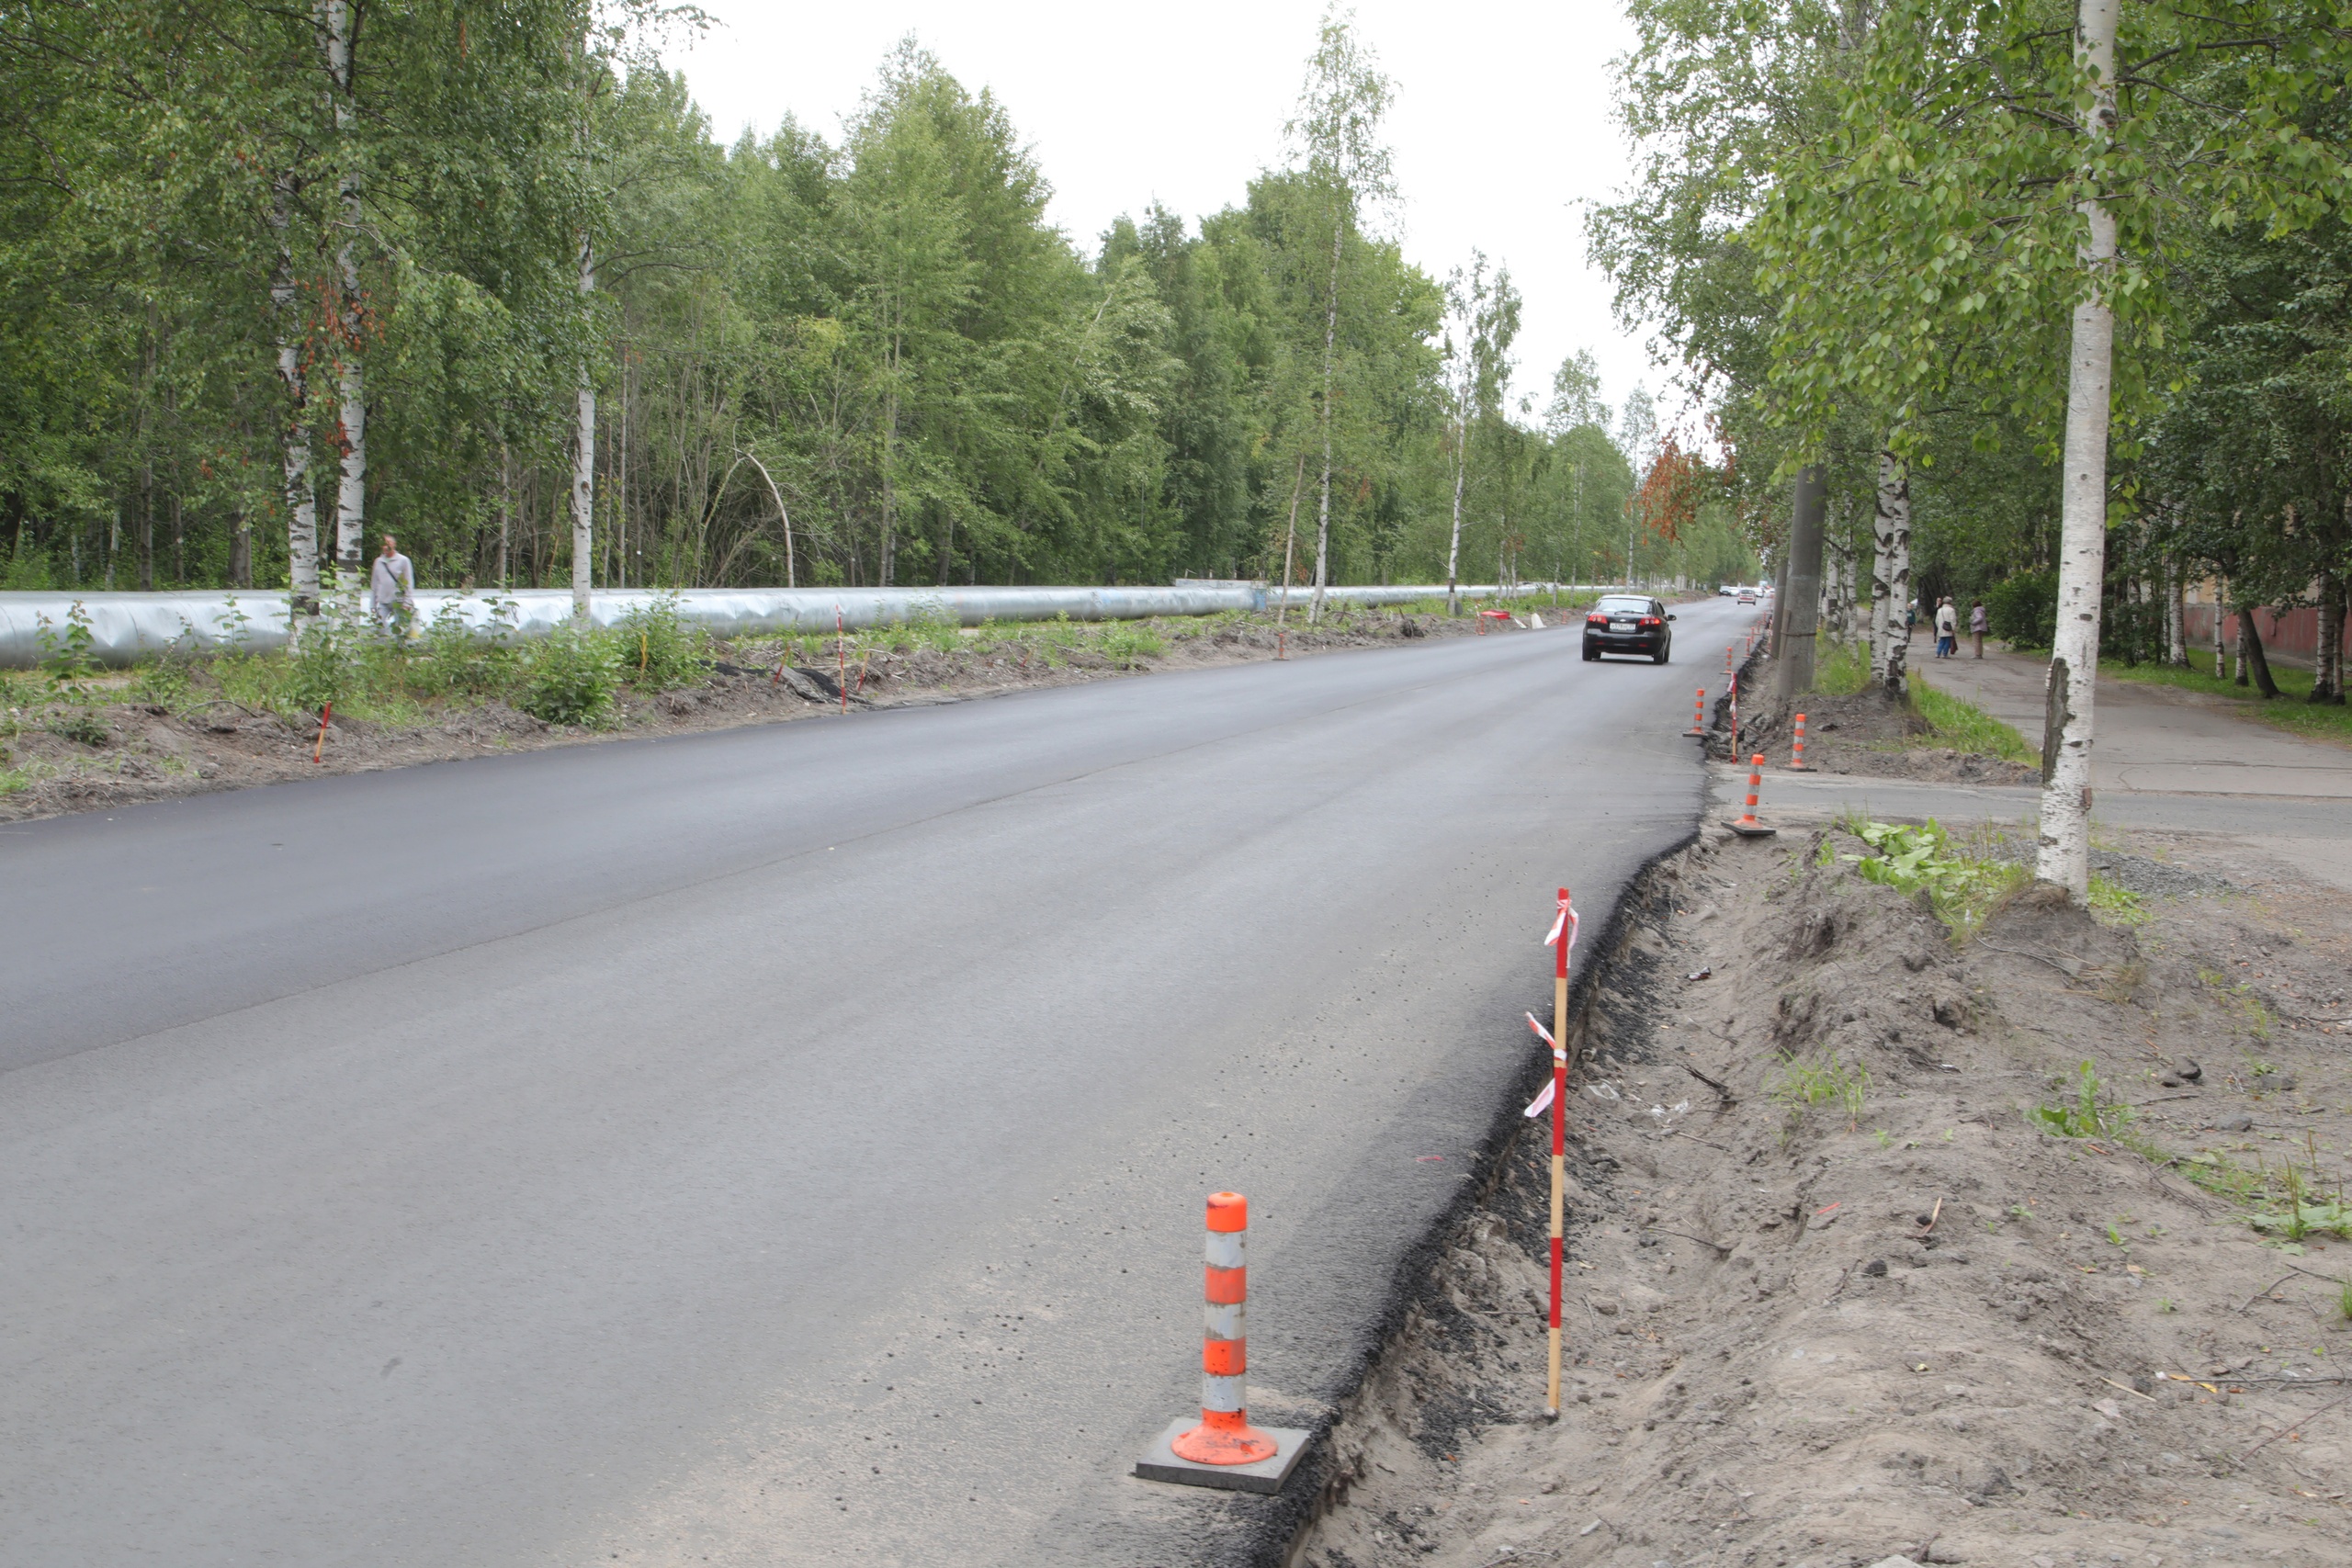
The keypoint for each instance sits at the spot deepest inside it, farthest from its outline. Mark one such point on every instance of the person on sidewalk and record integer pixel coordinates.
(1947, 629)
(1976, 625)
(392, 586)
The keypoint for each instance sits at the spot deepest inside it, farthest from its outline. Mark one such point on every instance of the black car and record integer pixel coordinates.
(1628, 622)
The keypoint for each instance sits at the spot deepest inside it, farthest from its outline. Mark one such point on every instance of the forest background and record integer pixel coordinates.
(275, 279)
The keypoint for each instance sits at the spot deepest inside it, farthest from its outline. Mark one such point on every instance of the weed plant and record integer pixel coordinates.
(570, 679)
(2090, 1114)
(1844, 670)
(1801, 1083)
(659, 650)
(1961, 889)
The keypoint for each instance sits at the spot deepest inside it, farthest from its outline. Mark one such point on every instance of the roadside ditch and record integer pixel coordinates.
(2021, 1246)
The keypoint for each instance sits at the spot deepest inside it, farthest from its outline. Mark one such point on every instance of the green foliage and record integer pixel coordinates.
(2116, 904)
(450, 660)
(82, 726)
(1956, 722)
(2090, 1114)
(1128, 643)
(2023, 609)
(65, 657)
(1960, 888)
(1845, 670)
(1801, 1083)
(321, 669)
(569, 678)
(658, 651)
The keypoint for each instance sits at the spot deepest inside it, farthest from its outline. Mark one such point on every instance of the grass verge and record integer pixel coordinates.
(2293, 710)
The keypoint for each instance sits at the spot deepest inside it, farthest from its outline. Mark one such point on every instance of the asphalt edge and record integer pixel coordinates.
(1280, 1530)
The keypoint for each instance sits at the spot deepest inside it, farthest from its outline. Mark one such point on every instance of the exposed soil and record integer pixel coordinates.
(1865, 733)
(98, 756)
(1931, 1330)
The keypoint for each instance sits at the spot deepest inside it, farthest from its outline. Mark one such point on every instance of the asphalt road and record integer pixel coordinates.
(780, 1146)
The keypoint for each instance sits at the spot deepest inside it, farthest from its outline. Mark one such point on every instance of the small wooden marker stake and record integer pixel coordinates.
(1563, 938)
(326, 716)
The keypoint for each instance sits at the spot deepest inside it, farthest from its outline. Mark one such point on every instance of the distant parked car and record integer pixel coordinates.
(1729, 590)
(1627, 623)
(1747, 596)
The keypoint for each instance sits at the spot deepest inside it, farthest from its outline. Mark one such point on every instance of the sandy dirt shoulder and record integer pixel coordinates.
(1923, 1327)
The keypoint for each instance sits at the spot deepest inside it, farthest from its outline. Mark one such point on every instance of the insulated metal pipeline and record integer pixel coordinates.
(125, 628)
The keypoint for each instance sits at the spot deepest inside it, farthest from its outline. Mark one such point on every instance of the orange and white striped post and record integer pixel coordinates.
(1225, 1435)
(1796, 762)
(1747, 826)
(1699, 715)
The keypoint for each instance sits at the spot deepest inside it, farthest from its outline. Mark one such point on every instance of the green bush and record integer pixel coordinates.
(320, 670)
(2023, 610)
(571, 678)
(658, 651)
(454, 661)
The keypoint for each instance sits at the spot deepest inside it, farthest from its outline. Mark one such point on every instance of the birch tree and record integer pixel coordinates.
(1338, 131)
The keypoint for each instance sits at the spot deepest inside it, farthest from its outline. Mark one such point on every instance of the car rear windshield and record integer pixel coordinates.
(1624, 606)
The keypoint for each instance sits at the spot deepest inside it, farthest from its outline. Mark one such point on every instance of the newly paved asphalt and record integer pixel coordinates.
(775, 1146)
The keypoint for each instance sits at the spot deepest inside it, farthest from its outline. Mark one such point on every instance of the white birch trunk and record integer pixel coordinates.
(2220, 597)
(584, 459)
(351, 490)
(2065, 841)
(1323, 505)
(2176, 616)
(1891, 576)
(294, 449)
(1453, 544)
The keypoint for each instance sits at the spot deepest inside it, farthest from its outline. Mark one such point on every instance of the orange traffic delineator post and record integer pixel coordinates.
(1748, 827)
(1224, 1450)
(1699, 715)
(1796, 762)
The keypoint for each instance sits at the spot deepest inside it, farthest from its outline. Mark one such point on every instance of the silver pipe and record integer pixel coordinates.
(125, 628)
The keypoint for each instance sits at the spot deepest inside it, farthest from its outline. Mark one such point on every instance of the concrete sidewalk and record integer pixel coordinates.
(2150, 739)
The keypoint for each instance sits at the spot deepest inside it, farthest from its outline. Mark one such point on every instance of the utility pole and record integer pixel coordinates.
(1796, 620)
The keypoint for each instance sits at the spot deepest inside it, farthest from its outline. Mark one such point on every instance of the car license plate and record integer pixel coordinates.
(1621, 625)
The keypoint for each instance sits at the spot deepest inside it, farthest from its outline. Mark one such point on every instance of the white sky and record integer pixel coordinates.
(1501, 125)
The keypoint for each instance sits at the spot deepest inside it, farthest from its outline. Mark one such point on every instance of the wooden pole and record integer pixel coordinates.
(1564, 940)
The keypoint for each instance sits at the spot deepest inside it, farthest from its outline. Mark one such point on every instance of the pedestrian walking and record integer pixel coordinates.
(392, 588)
(1947, 629)
(1976, 625)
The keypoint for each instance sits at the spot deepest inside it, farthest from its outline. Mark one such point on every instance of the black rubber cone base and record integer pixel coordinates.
(1160, 1462)
(1751, 830)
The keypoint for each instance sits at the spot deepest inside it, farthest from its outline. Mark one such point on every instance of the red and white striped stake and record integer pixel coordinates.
(1225, 1435)
(1734, 716)
(1562, 940)
(1796, 763)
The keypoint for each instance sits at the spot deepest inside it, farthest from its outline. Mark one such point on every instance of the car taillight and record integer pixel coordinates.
(1596, 619)
(1652, 621)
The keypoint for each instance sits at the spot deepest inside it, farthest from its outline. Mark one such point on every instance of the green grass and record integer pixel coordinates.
(1964, 727)
(1824, 1080)
(1845, 670)
(2293, 711)
(2090, 1113)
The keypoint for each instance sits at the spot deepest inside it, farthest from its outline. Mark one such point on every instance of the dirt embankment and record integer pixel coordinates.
(1906, 1319)
(1863, 732)
(97, 755)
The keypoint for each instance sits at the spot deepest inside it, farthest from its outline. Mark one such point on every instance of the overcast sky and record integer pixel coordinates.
(1501, 125)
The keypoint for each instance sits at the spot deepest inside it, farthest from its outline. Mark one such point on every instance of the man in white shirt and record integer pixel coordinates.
(391, 585)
